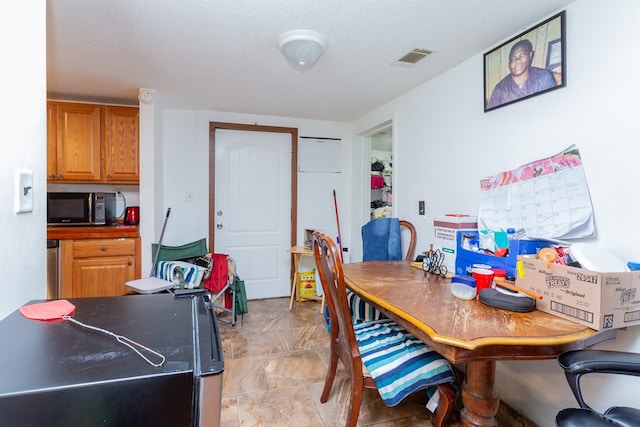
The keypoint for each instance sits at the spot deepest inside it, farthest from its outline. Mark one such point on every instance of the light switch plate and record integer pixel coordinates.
(23, 191)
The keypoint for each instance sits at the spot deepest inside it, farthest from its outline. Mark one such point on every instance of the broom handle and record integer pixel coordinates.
(335, 204)
(155, 257)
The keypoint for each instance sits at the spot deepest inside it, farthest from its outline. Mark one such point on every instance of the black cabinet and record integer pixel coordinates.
(57, 373)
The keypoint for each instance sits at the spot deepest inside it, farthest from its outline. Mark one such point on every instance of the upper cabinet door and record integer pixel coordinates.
(77, 142)
(121, 144)
(52, 156)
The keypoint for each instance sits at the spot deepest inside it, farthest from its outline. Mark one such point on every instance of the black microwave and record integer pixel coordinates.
(81, 208)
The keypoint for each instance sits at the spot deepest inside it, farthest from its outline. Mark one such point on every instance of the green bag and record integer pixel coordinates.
(237, 286)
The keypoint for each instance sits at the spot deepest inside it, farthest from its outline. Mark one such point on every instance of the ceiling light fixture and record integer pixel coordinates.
(302, 47)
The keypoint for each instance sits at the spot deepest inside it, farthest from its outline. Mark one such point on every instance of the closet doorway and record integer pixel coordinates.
(381, 200)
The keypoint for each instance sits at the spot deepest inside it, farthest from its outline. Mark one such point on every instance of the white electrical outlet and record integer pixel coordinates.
(23, 191)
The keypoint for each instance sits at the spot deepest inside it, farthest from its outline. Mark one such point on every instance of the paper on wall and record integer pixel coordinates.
(548, 198)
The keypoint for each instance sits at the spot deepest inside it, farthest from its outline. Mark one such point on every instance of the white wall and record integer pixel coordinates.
(22, 120)
(446, 143)
(152, 211)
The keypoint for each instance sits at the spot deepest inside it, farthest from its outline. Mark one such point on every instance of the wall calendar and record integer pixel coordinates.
(547, 198)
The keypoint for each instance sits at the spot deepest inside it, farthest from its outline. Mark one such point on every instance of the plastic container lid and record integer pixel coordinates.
(463, 287)
(498, 272)
(466, 280)
(485, 266)
(594, 258)
(633, 265)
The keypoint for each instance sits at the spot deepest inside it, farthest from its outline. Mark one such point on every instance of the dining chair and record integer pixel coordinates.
(577, 363)
(413, 235)
(382, 240)
(380, 354)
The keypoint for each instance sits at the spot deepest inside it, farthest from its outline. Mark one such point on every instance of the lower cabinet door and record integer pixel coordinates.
(102, 276)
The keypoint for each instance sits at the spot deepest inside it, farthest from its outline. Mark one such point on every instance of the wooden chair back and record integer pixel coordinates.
(343, 344)
(341, 323)
(413, 235)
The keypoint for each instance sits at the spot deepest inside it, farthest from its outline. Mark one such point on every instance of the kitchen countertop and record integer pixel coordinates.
(92, 232)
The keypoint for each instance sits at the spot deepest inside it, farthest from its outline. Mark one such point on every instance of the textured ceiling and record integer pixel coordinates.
(223, 55)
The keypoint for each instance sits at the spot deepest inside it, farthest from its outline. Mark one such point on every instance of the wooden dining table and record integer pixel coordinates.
(466, 331)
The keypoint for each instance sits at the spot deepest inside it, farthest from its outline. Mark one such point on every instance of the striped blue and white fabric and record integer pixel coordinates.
(361, 310)
(173, 271)
(399, 363)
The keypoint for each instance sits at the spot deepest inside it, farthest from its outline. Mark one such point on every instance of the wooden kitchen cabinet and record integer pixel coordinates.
(52, 155)
(74, 139)
(98, 267)
(120, 144)
(92, 143)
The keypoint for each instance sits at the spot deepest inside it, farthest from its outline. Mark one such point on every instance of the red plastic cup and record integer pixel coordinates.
(483, 277)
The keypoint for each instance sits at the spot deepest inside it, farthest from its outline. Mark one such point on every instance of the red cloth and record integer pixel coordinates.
(219, 273)
(377, 182)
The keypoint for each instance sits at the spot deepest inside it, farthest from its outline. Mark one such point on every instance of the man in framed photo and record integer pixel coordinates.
(523, 79)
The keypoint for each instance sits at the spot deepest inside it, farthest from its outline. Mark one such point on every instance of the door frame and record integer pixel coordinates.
(293, 132)
(366, 163)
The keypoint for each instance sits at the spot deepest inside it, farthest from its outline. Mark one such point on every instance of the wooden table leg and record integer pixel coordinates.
(478, 395)
(294, 280)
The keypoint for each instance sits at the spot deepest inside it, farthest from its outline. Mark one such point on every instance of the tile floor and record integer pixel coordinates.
(275, 361)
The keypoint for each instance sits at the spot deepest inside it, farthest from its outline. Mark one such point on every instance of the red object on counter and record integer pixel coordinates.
(483, 277)
(132, 215)
(501, 252)
(499, 273)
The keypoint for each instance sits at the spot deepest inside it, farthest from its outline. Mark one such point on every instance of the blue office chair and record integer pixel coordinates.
(577, 363)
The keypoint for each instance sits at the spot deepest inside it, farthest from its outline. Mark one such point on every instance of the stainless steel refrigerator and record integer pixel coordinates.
(58, 373)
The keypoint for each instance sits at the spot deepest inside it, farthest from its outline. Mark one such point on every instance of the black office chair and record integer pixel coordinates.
(579, 362)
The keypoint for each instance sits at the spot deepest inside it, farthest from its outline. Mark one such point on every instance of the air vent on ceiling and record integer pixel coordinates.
(414, 56)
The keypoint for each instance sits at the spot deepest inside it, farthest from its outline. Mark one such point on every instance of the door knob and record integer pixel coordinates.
(219, 226)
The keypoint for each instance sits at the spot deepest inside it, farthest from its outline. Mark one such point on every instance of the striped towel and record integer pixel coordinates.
(173, 271)
(399, 363)
(361, 310)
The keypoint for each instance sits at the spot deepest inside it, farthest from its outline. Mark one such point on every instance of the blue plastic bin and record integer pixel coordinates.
(466, 258)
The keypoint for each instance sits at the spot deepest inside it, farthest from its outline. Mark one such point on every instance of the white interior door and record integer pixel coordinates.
(253, 208)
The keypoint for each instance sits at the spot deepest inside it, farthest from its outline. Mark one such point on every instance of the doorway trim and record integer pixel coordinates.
(361, 196)
(293, 132)
(366, 159)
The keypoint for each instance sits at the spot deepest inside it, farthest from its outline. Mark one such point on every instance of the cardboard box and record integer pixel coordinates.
(308, 237)
(597, 300)
(446, 229)
(466, 258)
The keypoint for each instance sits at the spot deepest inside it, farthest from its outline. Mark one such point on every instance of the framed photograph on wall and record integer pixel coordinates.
(531, 63)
